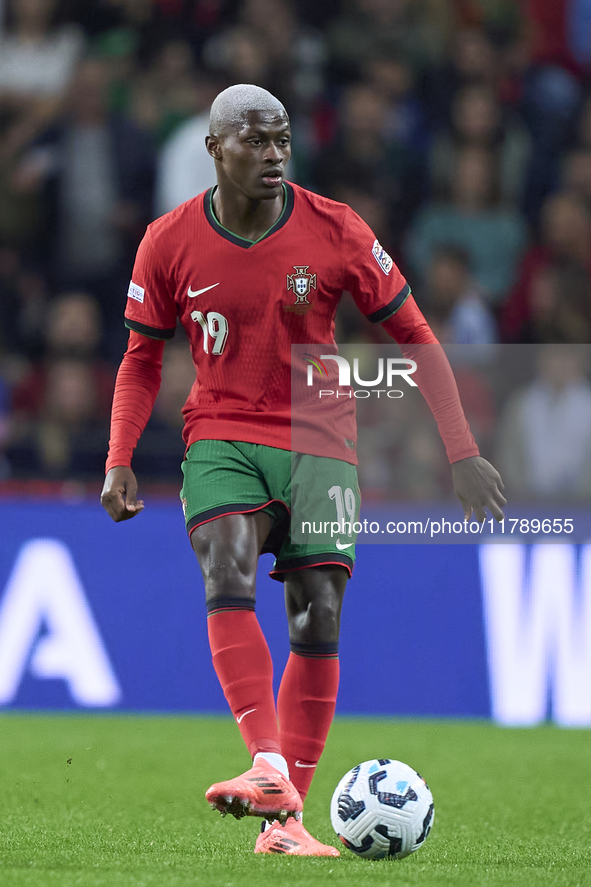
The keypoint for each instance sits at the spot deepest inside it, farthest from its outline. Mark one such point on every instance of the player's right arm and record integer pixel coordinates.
(151, 318)
(119, 495)
(137, 385)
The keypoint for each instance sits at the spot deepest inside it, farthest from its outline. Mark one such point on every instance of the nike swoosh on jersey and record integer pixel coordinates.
(192, 293)
(299, 764)
(342, 546)
(249, 712)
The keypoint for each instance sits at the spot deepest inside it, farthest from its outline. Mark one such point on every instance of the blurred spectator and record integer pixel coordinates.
(136, 27)
(66, 437)
(418, 30)
(296, 51)
(37, 56)
(502, 19)
(478, 120)
(73, 330)
(73, 326)
(185, 169)
(453, 303)
(474, 58)
(96, 172)
(129, 35)
(405, 122)
(582, 135)
(565, 242)
(576, 172)
(291, 56)
(363, 153)
(37, 60)
(165, 95)
(269, 45)
(559, 45)
(492, 235)
(551, 100)
(237, 54)
(559, 34)
(560, 308)
(23, 303)
(61, 408)
(545, 433)
(20, 211)
(474, 61)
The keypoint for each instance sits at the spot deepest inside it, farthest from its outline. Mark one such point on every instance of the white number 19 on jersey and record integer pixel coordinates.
(214, 326)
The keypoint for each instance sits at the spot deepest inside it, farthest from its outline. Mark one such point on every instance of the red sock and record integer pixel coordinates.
(306, 704)
(243, 665)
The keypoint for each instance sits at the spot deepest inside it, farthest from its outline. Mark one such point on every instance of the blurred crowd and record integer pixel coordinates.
(460, 130)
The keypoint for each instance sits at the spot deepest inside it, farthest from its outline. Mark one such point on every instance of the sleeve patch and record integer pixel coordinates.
(138, 292)
(381, 256)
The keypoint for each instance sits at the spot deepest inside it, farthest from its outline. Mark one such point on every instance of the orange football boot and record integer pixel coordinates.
(261, 791)
(292, 839)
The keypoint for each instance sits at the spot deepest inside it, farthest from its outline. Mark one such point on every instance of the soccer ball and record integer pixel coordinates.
(382, 809)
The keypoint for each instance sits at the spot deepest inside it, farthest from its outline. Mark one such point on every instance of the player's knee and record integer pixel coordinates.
(227, 578)
(319, 621)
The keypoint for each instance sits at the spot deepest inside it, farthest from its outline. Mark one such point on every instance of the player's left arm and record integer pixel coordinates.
(383, 295)
(478, 485)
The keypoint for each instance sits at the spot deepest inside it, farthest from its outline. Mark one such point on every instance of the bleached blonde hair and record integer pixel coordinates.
(232, 105)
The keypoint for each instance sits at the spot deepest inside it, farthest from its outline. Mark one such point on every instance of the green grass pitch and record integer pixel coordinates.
(118, 801)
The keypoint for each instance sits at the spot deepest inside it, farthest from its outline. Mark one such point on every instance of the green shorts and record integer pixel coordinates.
(313, 501)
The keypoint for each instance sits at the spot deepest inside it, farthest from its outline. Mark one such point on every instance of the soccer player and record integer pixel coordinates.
(251, 267)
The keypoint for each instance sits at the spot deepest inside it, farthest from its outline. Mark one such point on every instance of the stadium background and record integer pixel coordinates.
(461, 131)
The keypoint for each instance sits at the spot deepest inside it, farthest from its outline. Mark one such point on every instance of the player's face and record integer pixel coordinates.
(253, 156)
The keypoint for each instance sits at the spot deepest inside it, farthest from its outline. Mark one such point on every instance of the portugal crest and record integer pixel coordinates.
(300, 283)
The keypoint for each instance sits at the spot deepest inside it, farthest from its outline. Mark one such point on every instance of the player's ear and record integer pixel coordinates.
(212, 143)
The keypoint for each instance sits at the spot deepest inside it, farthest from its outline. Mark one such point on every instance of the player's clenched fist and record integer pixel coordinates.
(119, 494)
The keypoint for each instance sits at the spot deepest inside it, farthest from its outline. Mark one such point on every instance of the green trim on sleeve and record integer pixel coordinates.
(151, 332)
(392, 307)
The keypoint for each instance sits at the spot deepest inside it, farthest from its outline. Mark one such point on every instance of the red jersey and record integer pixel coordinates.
(244, 304)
